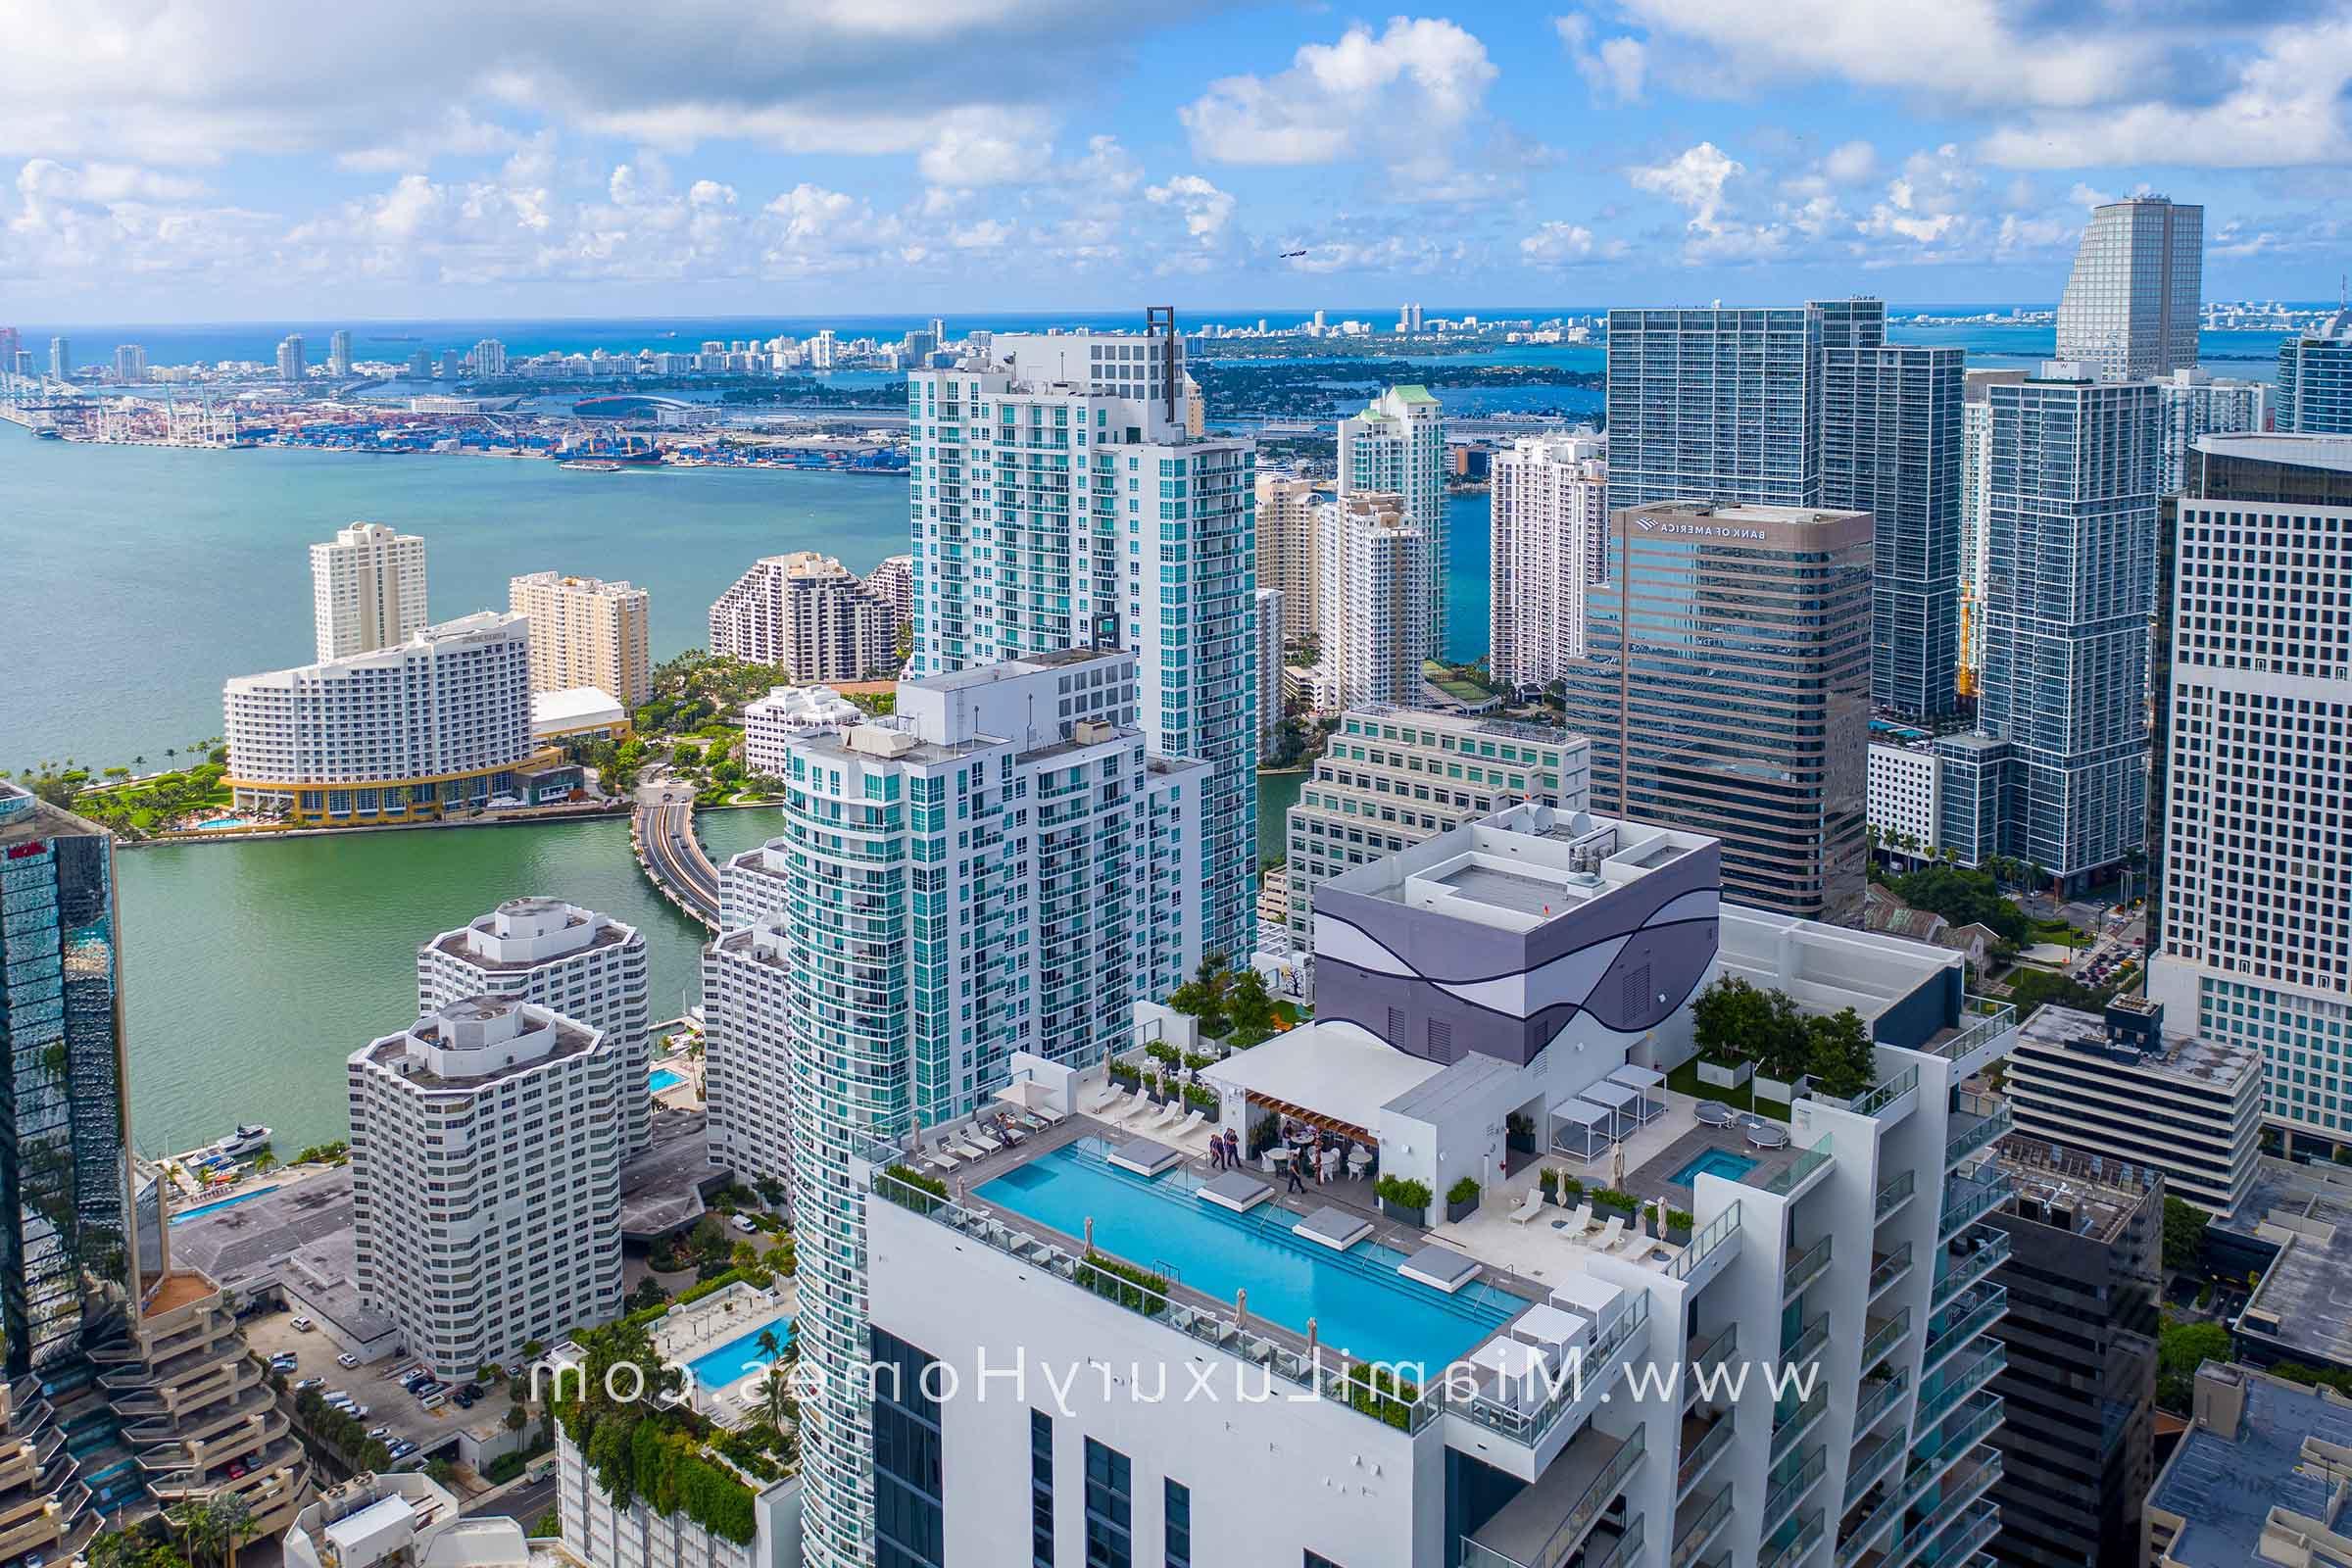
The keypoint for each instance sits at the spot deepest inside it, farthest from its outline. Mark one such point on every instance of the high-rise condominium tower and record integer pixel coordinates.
(808, 613)
(2192, 404)
(1397, 446)
(1375, 630)
(2070, 568)
(587, 632)
(473, 1234)
(1976, 505)
(1808, 407)
(2315, 380)
(589, 966)
(367, 589)
(291, 365)
(1290, 550)
(1550, 539)
(338, 352)
(1726, 689)
(1000, 868)
(61, 359)
(2129, 310)
(2254, 941)
(1059, 502)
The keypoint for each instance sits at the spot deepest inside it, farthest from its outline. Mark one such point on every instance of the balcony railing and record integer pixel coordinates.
(1722, 1229)
(1977, 1310)
(1960, 1273)
(1789, 1430)
(1809, 1344)
(1878, 1099)
(1967, 1200)
(1895, 1193)
(1782, 1501)
(1561, 1543)
(1702, 1453)
(1792, 1552)
(1708, 1358)
(1800, 1169)
(1976, 1120)
(1870, 1465)
(1991, 1018)
(1959, 1384)
(1695, 1538)
(1627, 1549)
(1886, 1337)
(1580, 1392)
(1805, 1268)
(1888, 1269)
(1971, 1423)
(1879, 1399)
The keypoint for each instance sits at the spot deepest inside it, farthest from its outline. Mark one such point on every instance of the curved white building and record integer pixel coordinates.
(810, 614)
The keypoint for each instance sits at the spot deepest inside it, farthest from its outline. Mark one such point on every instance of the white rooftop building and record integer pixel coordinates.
(788, 713)
(1500, 1381)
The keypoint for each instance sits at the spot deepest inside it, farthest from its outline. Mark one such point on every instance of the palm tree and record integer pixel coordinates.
(768, 1344)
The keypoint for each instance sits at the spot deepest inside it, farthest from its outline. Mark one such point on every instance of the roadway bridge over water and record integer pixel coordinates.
(661, 831)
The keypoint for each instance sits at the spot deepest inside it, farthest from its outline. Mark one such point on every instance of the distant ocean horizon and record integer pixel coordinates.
(186, 343)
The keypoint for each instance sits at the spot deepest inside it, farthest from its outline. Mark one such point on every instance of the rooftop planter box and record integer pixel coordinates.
(1519, 1133)
(1461, 1199)
(1776, 1089)
(1403, 1199)
(1725, 1074)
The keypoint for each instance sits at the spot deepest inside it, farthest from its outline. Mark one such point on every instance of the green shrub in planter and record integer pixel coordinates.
(1196, 1061)
(1572, 1190)
(1201, 1096)
(1462, 1191)
(1403, 1192)
(1126, 1073)
(1162, 1050)
(1678, 1219)
(1381, 1394)
(1615, 1198)
(907, 1188)
(1138, 1290)
(1550, 1180)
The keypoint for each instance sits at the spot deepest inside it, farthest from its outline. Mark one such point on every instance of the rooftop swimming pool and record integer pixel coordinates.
(662, 1078)
(1714, 1162)
(740, 1356)
(222, 1202)
(1358, 1300)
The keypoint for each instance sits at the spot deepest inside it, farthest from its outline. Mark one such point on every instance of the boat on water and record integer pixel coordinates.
(591, 465)
(249, 1138)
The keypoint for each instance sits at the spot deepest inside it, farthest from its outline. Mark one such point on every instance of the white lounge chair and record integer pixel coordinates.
(1528, 1207)
(1582, 1220)
(1191, 1121)
(1111, 1095)
(1612, 1233)
(941, 1157)
(1624, 1239)
(970, 1149)
(1046, 1114)
(1170, 1113)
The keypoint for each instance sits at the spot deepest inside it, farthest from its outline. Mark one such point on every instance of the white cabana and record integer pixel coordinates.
(1335, 1077)
(1581, 1128)
(1649, 1090)
(1621, 1103)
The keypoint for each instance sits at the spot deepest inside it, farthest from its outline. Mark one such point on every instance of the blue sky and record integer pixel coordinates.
(168, 161)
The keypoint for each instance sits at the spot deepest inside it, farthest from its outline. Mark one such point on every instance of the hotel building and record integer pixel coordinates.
(1290, 552)
(1515, 1383)
(1391, 777)
(1059, 502)
(440, 722)
(772, 723)
(587, 632)
(1396, 447)
(587, 966)
(999, 867)
(1550, 540)
(2252, 942)
(809, 616)
(486, 1145)
(2122, 1088)
(367, 590)
(1375, 630)
(1726, 689)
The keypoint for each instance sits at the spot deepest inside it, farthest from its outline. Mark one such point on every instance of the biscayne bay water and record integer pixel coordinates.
(252, 970)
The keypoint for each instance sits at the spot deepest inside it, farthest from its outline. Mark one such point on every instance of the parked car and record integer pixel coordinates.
(310, 1383)
(464, 1399)
(378, 1434)
(742, 1223)
(300, 1324)
(236, 1469)
(347, 1360)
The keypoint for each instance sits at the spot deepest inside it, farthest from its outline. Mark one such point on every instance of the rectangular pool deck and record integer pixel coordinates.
(1505, 1296)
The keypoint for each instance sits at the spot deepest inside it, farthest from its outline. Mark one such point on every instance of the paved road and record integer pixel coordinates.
(525, 1504)
(673, 856)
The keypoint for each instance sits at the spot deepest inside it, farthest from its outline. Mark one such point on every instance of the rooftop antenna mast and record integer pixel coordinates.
(1159, 319)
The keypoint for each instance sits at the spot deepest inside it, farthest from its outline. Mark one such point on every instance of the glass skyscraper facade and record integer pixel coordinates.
(2315, 381)
(1726, 690)
(65, 1270)
(2129, 310)
(1809, 406)
(2070, 570)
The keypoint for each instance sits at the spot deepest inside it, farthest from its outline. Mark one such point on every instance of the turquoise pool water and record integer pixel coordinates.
(1358, 1300)
(1714, 1162)
(222, 1203)
(738, 1357)
(662, 1078)
(227, 822)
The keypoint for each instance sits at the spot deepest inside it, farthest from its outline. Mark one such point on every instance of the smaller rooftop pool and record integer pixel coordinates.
(222, 1202)
(662, 1078)
(1714, 1162)
(725, 1365)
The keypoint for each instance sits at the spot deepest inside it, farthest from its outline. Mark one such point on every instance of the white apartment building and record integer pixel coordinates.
(2191, 404)
(367, 589)
(1397, 446)
(810, 614)
(2253, 945)
(1905, 795)
(587, 966)
(1000, 868)
(785, 715)
(893, 579)
(1375, 633)
(1975, 511)
(587, 632)
(642, 1536)
(1059, 502)
(1518, 1384)
(2121, 1088)
(401, 1518)
(1290, 552)
(1392, 777)
(486, 1145)
(1550, 540)
(1269, 611)
(437, 723)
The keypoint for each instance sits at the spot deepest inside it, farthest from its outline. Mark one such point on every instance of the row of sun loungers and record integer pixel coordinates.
(1612, 1234)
